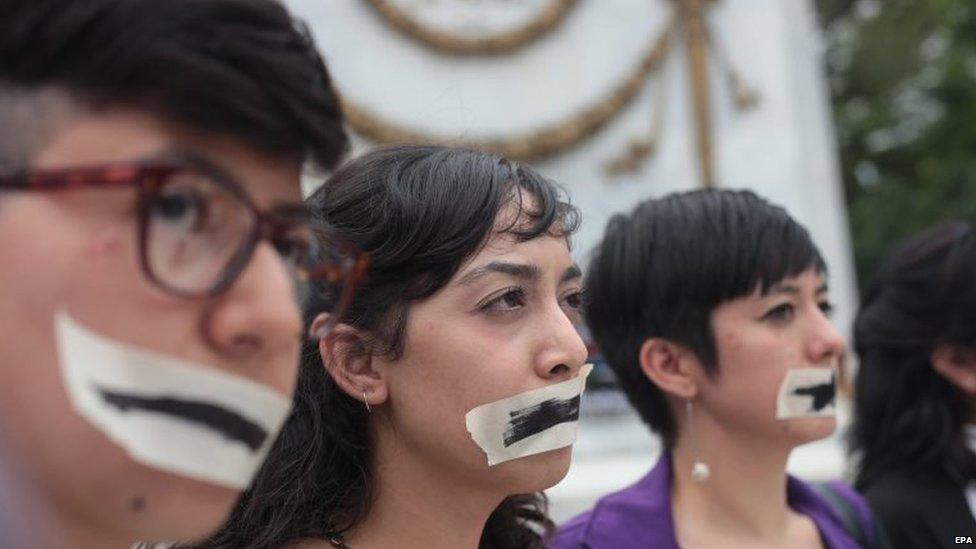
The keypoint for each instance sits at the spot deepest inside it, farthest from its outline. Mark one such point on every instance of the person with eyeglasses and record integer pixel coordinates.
(152, 242)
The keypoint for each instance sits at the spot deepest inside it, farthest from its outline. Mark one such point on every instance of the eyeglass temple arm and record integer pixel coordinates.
(332, 273)
(72, 178)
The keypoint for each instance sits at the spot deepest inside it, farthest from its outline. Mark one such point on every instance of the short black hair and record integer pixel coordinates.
(241, 68)
(908, 419)
(662, 269)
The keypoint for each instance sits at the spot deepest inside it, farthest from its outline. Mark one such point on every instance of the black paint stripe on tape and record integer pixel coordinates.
(535, 419)
(823, 394)
(230, 424)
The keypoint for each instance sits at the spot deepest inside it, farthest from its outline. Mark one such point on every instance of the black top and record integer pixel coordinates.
(919, 514)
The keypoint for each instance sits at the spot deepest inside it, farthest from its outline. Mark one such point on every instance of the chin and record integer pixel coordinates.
(126, 501)
(185, 510)
(802, 431)
(536, 472)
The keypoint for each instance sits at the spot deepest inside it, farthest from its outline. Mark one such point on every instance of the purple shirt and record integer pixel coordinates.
(640, 516)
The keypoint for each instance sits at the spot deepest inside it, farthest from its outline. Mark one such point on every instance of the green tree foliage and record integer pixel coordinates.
(903, 79)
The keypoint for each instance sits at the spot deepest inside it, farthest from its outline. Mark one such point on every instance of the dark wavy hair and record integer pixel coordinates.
(662, 269)
(420, 212)
(240, 68)
(907, 417)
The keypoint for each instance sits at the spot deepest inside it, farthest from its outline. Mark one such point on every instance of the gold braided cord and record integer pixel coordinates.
(507, 41)
(537, 144)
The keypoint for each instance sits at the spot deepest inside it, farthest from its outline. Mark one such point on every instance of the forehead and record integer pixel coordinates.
(28, 117)
(809, 282)
(544, 253)
(86, 138)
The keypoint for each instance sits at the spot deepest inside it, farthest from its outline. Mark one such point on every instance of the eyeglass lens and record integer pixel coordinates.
(195, 228)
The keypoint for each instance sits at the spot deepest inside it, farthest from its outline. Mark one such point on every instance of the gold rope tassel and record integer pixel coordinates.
(532, 146)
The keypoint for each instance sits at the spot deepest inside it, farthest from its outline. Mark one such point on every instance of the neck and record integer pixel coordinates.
(744, 497)
(416, 505)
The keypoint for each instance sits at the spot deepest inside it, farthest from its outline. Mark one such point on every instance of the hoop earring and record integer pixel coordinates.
(700, 471)
(369, 410)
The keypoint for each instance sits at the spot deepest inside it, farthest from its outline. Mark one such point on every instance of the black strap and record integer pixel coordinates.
(852, 520)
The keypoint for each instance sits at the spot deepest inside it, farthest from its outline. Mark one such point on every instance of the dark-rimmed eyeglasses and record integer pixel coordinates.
(197, 228)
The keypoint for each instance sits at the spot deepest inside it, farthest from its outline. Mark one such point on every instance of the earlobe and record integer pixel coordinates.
(351, 365)
(668, 365)
(957, 366)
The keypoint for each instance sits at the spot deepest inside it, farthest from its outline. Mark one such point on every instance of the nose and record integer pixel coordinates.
(825, 344)
(562, 352)
(258, 318)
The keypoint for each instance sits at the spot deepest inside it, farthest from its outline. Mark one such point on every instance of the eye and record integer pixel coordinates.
(183, 208)
(572, 304)
(827, 308)
(293, 249)
(780, 314)
(574, 300)
(294, 246)
(510, 300)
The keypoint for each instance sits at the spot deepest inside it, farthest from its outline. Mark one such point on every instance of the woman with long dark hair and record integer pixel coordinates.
(470, 298)
(913, 435)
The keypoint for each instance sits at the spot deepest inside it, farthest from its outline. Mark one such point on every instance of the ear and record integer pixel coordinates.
(670, 366)
(957, 366)
(350, 364)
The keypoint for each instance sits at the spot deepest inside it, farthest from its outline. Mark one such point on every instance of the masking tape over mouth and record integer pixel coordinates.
(167, 413)
(807, 393)
(528, 423)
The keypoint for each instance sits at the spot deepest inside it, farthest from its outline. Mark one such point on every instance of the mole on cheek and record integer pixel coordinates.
(137, 504)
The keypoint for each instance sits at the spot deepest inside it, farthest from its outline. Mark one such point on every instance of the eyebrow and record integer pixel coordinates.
(517, 270)
(573, 271)
(792, 290)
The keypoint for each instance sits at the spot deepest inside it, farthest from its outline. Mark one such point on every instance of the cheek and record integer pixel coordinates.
(451, 366)
(107, 242)
(752, 366)
(103, 286)
(755, 352)
(33, 402)
(448, 368)
(52, 250)
(64, 257)
(45, 246)
(472, 360)
(41, 244)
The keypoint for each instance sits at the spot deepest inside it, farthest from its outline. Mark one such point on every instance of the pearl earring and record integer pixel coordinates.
(700, 470)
